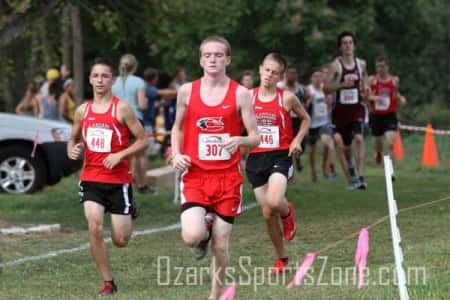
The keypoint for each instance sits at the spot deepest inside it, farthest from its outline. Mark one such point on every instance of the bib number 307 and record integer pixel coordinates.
(210, 146)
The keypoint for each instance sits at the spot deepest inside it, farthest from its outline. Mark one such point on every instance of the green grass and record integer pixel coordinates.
(326, 213)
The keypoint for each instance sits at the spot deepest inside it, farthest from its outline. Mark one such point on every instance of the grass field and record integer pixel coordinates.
(149, 267)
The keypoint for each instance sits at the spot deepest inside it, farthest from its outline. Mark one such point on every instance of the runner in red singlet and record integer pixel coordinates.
(205, 144)
(269, 166)
(101, 129)
(383, 105)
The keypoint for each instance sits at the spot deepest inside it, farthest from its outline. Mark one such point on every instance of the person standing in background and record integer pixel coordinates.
(131, 89)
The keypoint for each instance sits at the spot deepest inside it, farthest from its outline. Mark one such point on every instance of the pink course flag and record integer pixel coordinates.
(302, 270)
(35, 142)
(361, 254)
(229, 293)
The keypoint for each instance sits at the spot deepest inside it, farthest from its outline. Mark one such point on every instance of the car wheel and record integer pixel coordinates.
(19, 172)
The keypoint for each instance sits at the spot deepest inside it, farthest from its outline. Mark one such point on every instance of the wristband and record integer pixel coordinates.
(172, 156)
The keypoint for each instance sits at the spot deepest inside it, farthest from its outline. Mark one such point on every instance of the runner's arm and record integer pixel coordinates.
(180, 161)
(400, 97)
(126, 114)
(293, 103)
(74, 144)
(332, 83)
(244, 97)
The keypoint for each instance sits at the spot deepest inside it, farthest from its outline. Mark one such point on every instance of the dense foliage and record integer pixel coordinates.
(413, 35)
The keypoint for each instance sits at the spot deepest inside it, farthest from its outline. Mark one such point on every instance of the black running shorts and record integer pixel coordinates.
(379, 124)
(260, 166)
(115, 198)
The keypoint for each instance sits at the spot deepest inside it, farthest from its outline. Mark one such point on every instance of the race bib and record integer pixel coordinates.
(348, 96)
(383, 103)
(210, 146)
(269, 136)
(99, 139)
(320, 109)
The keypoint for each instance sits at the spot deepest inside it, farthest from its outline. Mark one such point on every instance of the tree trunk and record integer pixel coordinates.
(77, 41)
(34, 55)
(5, 84)
(45, 47)
(66, 37)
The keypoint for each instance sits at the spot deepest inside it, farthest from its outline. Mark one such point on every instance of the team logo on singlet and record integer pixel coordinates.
(351, 77)
(210, 124)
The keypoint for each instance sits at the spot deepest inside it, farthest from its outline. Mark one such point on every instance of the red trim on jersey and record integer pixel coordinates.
(273, 113)
(388, 88)
(93, 168)
(215, 121)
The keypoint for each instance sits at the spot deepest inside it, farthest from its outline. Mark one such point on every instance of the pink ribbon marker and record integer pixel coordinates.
(35, 143)
(229, 293)
(302, 270)
(361, 254)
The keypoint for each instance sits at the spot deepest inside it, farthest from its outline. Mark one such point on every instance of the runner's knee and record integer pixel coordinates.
(96, 229)
(192, 237)
(120, 241)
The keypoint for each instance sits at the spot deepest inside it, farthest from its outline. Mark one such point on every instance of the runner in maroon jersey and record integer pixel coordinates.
(348, 80)
(269, 166)
(103, 125)
(205, 144)
(383, 105)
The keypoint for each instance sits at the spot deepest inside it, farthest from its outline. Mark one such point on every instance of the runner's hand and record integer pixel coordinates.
(112, 160)
(232, 144)
(76, 151)
(181, 162)
(295, 147)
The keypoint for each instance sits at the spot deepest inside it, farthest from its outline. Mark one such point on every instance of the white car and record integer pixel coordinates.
(33, 153)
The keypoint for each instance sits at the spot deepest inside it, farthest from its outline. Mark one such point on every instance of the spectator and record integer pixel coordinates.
(66, 103)
(131, 89)
(29, 105)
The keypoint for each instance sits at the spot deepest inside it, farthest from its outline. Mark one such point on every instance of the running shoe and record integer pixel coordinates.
(352, 184)
(279, 265)
(201, 249)
(289, 226)
(109, 288)
(362, 183)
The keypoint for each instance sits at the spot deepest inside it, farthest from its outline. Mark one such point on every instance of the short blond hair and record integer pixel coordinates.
(218, 39)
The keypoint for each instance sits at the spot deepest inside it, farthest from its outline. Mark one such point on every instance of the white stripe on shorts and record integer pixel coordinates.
(125, 188)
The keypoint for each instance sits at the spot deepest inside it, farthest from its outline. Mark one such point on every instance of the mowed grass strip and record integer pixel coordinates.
(159, 266)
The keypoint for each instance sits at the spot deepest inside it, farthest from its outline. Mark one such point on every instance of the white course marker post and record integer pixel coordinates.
(395, 232)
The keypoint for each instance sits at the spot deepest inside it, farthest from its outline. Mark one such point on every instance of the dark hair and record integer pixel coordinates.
(247, 73)
(344, 34)
(103, 61)
(150, 74)
(277, 58)
(291, 66)
(381, 58)
(56, 88)
(218, 39)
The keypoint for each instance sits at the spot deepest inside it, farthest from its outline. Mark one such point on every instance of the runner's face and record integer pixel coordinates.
(213, 58)
(347, 45)
(247, 81)
(317, 78)
(270, 72)
(291, 76)
(382, 68)
(101, 79)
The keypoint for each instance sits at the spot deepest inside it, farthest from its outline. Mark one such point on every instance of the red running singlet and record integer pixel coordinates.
(387, 90)
(274, 123)
(103, 134)
(206, 128)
